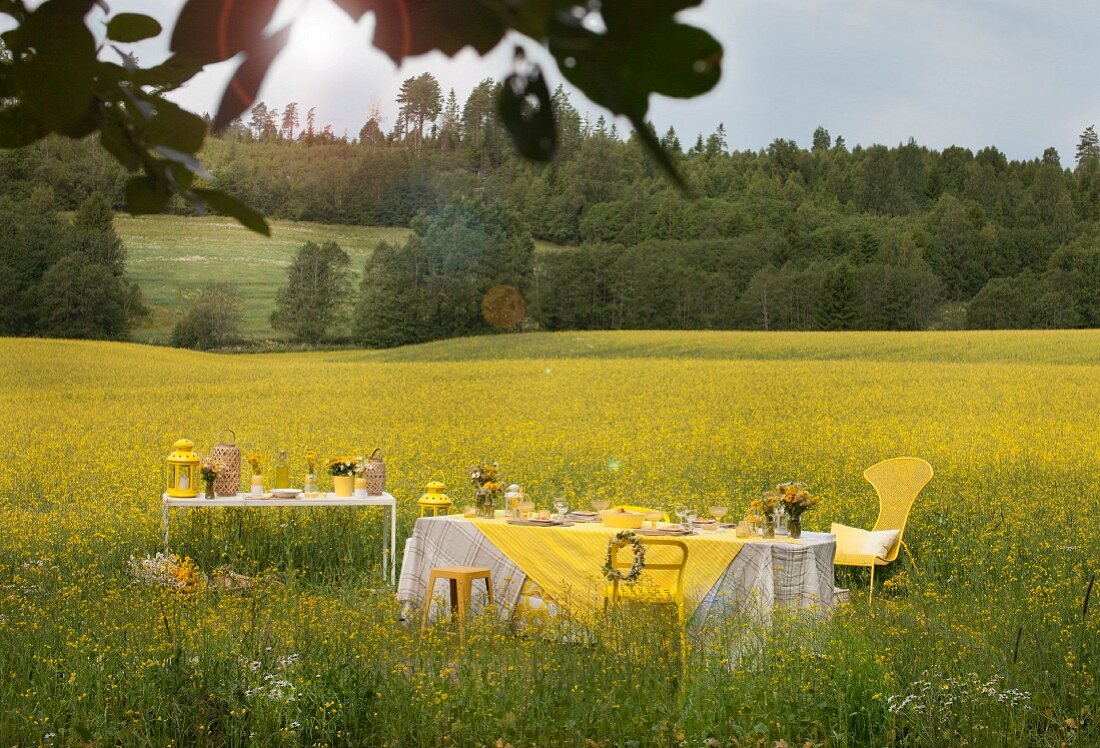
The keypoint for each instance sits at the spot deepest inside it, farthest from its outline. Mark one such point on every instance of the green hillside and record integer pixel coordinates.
(171, 257)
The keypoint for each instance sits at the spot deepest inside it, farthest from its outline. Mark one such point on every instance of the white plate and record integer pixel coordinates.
(285, 493)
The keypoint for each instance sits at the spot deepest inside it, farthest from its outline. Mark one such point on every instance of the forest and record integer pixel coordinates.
(787, 237)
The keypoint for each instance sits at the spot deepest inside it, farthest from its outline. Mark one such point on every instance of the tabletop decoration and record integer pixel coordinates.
(622, 538)
(228, 454)
(763, 511)
(374, 471)
(342, 470)
(210, 470)
(435, 503)
(488, 485)
(311, 474)
(513, 497)
(257, 475)
(794, 499)
(182, 482)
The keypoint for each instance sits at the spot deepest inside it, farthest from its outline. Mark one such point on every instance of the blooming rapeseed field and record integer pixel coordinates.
(991, 642)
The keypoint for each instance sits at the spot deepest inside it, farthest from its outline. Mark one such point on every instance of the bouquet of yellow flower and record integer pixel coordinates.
(311, 461)
(763, 509)
(342, 466)
(489, 484)
(793, 498)
(254, 461)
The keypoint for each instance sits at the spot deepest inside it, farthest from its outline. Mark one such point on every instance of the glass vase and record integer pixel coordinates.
(769, 529)
(209, 490)
(794, 527)
(486, 506)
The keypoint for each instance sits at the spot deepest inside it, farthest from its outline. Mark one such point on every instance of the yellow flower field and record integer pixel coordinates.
(1005, 537)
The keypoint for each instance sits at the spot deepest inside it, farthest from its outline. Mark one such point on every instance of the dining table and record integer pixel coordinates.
(556, 570)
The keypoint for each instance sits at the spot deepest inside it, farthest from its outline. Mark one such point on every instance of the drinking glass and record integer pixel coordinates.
(680, 510)
(654, 517)
(718, 512)
(690, 515)
(562, 506)
(526, 507)
(599, 505)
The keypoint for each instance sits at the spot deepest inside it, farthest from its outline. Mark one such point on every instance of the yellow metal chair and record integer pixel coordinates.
(641, 592)
(643, 509)
(898, 482)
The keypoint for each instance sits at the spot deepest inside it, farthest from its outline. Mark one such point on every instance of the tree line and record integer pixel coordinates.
(62, 278)
(786, 237)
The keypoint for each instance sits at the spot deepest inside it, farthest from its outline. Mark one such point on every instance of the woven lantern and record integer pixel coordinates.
(434, 503)
(228, 482)
(182, 473)
(374, 472)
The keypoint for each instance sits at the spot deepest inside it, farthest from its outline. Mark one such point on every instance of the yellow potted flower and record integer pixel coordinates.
(342, 470)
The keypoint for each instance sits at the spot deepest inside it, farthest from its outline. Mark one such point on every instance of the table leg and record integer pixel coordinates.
(393, 544)
(164, 525)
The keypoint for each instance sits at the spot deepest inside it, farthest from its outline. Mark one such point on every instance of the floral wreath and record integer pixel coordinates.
(622, 538)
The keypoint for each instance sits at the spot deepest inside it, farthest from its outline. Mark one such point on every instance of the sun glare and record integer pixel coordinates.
(320, 34)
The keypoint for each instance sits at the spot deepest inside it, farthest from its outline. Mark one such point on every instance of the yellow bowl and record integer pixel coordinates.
(622, 520)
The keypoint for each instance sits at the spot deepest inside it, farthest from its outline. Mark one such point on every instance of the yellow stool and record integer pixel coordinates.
(462, 584)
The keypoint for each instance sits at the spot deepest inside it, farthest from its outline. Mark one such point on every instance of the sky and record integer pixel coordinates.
(1018, 74)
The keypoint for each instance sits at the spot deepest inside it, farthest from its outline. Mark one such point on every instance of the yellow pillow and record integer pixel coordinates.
(852, 541)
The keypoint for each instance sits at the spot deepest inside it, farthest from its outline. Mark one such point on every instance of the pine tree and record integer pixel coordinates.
(670, 142)
(290, 120)
(421, 101)
(716, 142)
(450, 127)
(1088, 147)
(311, 119)
(822, 140)
(838, 305)
(258, 121)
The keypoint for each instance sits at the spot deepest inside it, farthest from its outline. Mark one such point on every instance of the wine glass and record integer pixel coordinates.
(690, 515)
(562, 506)
(718, 512)
(600, 505)
(526, 507)
(654, 516)
(680, 510)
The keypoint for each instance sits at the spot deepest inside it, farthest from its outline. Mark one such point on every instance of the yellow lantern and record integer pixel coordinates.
(182, 475)
(434, 503)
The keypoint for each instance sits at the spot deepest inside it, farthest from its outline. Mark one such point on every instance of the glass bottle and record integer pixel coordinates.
(282, 471)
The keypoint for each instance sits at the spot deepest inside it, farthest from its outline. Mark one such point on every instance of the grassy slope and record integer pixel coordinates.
(1032, 347)
(172, 256)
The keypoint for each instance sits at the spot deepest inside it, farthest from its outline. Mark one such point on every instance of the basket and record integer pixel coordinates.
(228, 482)
(374, 472)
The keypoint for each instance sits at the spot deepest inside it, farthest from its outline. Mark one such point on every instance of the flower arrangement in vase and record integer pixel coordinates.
(342, 470)
(310, 485)
(257, 474)
(763, 512)
(210, 470)
(793, 500)
(489, 485)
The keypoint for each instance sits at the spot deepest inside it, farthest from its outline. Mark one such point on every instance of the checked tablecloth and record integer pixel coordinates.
(763, 575)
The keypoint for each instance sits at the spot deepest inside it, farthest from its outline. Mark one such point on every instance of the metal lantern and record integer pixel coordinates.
(434, 503)
(182, 473)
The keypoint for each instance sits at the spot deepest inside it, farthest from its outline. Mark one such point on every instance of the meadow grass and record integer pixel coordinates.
(991, 642)
(172, 257)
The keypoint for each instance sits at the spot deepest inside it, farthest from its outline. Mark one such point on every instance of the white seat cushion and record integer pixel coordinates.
(853, 541)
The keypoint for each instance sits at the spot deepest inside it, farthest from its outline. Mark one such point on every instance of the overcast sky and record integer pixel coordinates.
(1018, 74)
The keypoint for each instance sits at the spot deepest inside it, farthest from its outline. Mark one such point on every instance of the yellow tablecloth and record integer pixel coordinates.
(567, 561)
